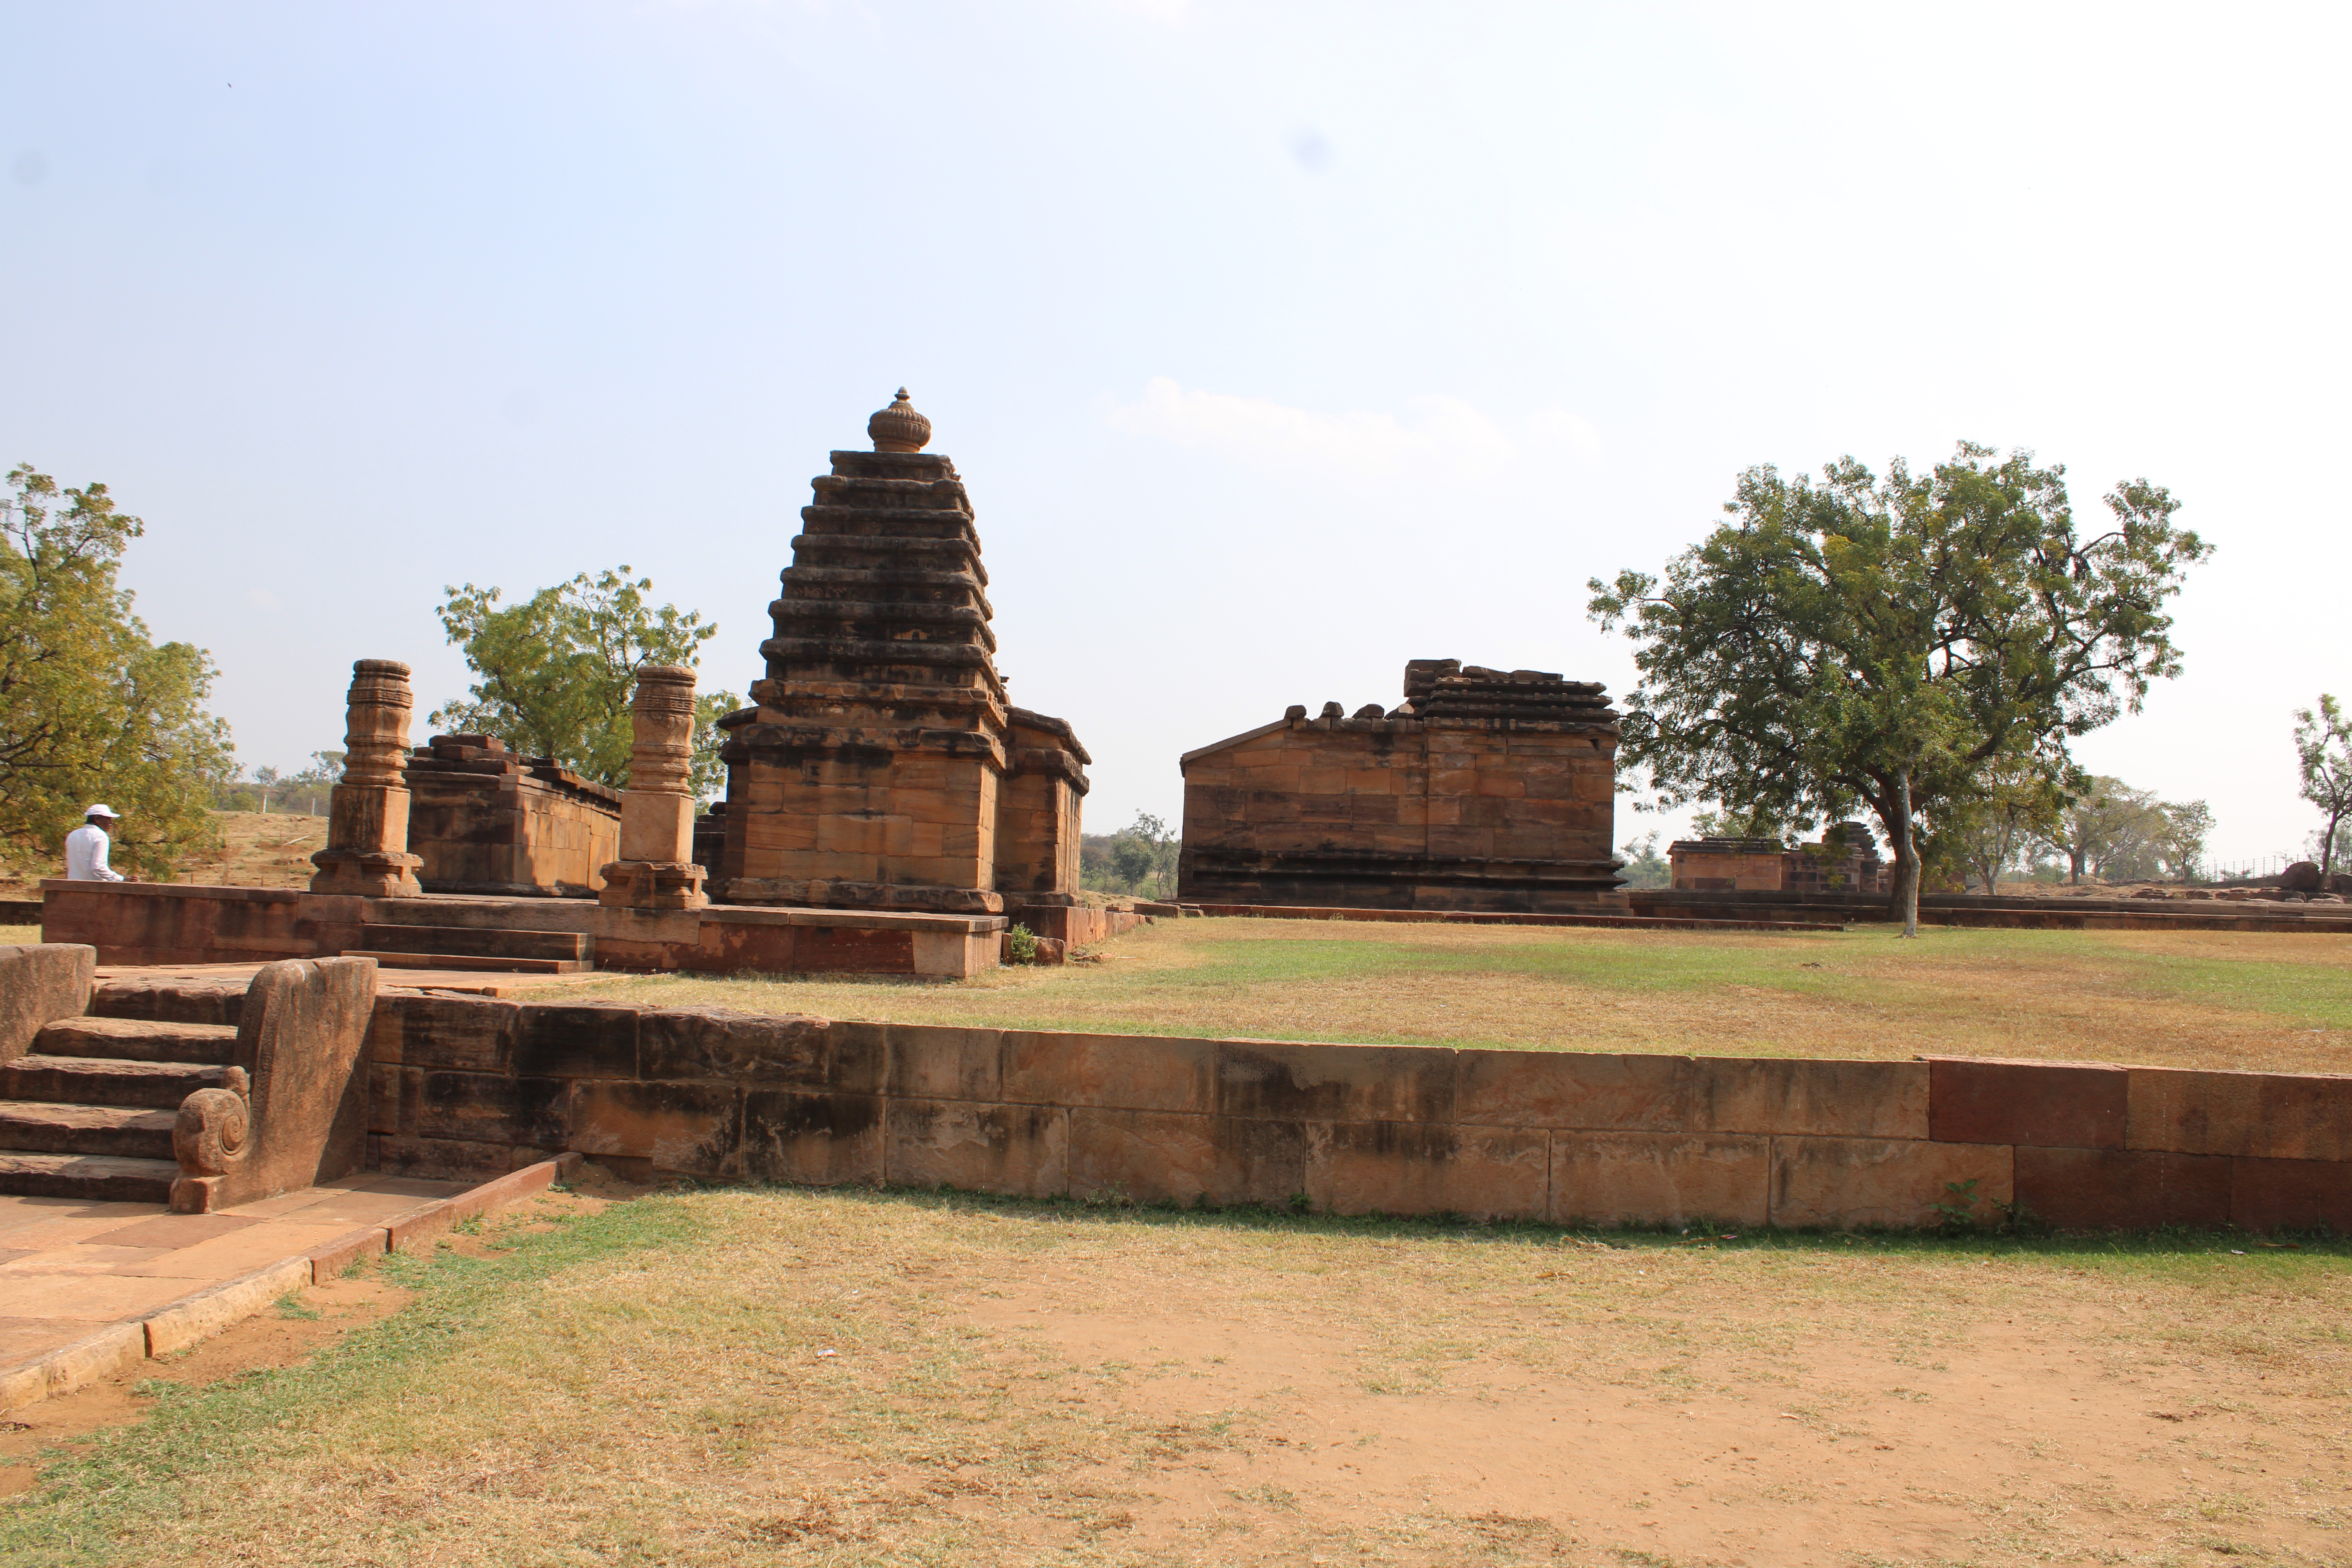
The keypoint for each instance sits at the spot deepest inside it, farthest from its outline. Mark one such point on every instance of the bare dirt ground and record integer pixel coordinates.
(836, 1378)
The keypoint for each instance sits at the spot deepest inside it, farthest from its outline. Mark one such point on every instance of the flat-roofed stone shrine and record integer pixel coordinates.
(1484, 790)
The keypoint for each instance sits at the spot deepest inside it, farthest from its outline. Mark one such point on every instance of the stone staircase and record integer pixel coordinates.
(88, 1111)
(476, 948)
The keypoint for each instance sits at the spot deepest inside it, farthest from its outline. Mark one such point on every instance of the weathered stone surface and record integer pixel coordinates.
(1132, 1072)
(490, 1107)
(1149, 1156)
(1850, 1181)
(767, 1050)
(1021, 1150)
(1334, 1083)
(2050, 1105)
(2261, 1115)
(588, 1039)
(1660, 1178)
(690, 1128)
(1798, 1095)
(301, 1038)
(933, 1061)
(484, 820)
(812, 1139)
(367, 814)
(1406, 1168)
(2122, 1189)
(38, 985)
(470, 1034)
(1573, 1089)
(2301, 1194)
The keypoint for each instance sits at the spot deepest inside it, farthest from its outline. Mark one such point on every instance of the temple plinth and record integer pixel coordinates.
(882, 766)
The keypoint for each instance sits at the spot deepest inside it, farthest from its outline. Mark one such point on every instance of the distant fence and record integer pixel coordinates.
(2246, 870)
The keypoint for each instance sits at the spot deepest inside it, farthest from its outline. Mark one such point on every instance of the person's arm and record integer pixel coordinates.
(98, 870)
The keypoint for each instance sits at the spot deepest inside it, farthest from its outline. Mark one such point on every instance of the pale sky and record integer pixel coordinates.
(1277, 343)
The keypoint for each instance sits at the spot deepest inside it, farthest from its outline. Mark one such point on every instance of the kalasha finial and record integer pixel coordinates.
(898, 428)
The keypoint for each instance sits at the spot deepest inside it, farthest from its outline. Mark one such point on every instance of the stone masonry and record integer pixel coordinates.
(486, 821)
(1484, 790)
(1844, 860)
(882, 766)
(367, 815)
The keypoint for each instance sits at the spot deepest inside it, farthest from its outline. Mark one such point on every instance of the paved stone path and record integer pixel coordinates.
(69, 1266)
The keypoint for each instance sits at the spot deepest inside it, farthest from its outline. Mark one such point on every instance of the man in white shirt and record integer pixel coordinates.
(85, 847)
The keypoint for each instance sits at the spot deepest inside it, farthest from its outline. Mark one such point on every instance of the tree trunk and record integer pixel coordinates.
(1907, 857)
(2327, 850)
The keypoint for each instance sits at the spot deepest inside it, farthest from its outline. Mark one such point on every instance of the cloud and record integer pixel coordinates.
(1431, 432)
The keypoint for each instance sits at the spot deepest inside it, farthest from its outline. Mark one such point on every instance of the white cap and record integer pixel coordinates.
(102, 809)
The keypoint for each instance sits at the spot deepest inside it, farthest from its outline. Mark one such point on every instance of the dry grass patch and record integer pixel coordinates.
(799, 1377)
(2226, 999)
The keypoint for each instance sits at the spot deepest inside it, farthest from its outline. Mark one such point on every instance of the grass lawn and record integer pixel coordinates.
(757, 1376)
(2226, 999)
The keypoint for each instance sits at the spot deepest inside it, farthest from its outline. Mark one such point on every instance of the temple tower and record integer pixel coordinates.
(881, 766)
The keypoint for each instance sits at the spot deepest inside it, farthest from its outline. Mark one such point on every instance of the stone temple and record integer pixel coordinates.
(1484, 790)
(882, 766)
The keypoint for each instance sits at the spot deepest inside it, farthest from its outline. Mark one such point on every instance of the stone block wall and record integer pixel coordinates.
(465, 1086)
(486, 821)
(1484, 791)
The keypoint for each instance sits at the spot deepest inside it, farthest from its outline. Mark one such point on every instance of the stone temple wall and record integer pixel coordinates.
(486, 821)
(1484, 790)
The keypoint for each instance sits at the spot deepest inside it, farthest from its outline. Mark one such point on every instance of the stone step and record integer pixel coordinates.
(83, 1081)
(138, 1041)
(375, 941)
(474, 961)
(122, 1131)
(172, 998)
(97, 1177)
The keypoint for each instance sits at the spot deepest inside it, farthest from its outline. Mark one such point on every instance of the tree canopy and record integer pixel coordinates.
(92, 709)
(1882, 641)
(2323, 751)
(559, 670)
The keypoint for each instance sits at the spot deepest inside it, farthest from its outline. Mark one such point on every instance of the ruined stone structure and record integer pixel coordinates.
(1842, 861)
(367, 815)
(484, 820)
(656, 869)
(882, 766)
(1486, 790)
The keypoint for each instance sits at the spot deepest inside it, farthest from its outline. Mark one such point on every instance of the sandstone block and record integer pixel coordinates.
(931, 1061)
(592, 1039)
(1851, 1182)
(38, 985)
(2259, 1115)
(2266, 1195)
(467, 1034)
(754, 1049)
(1135, 1072)
(2122, 1189)
(1573, 1089)
(1660, 1178)
(490, 1107)
(1406, 1168)
(1019, 1149)
(2043, 1104)
(812, 1139)
(1151, 1156)
(1798, 1095)
(1281, 1082)
(692, 1128)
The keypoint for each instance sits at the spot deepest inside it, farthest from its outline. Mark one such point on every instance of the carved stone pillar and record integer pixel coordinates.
(367, 815)
(656, 869)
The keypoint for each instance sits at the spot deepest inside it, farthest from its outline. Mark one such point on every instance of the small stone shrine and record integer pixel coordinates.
(1844, 860)
(1485, 789)
(882, 766)
(484, 820)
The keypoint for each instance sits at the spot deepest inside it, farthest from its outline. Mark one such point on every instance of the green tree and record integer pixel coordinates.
(559, 670)
(91, 708)
(1881, 641)
(2013, 807)
(2323, 750)
(1644, 866)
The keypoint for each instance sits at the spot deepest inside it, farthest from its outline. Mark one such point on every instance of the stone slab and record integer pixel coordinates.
(2274, 1116)
(2122, 1189)
(1852, 1182)
(1660, 1178)
(1151, 1156)
(2049, 1105)
(1414, 1168)
(1799, 1096)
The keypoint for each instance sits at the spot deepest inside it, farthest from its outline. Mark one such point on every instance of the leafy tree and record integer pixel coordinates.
(1138, 859)
(2120, 834)
(559, 670)
(1644, 866)
(91, 708)
(2014, 806)
(1881, 641)
(2323, 749)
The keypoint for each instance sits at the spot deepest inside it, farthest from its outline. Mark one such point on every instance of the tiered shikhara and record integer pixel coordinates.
(882, 766)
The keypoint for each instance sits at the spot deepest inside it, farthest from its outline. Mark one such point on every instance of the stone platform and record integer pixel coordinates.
(174, 923)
